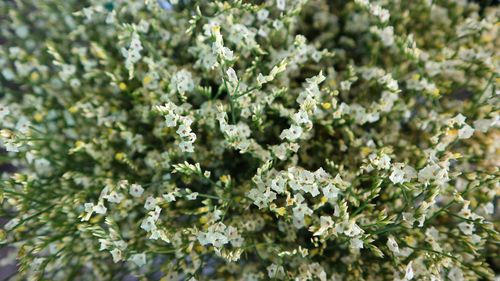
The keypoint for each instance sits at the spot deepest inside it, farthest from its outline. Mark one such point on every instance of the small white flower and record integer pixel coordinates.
(23, 125)
(117, 255)
(136, 190)
(483, 125)
(227, 54)
(281, 4)
(356, 244)
(186, 147)
(457, 120)
(171, 120)
(192, 196)
(233, 79)
(397, 176)
(169, 197)
(150, 203)
(275, 271)
(278, 185)
(4, 111)
(466, 227)
(351, 229)
(465, 132)
(345, 85)
(184, 130)
(489, 208)
(301, 117)
(262, 14)
(148, 224)
(114, 197)
(89, 209)
(11, 146)
(428, 173)
(393, 245)
(100, 208)
(330, 191)
(11, 224)
(138, 259)
(409, 271)
(456, 274)
(182, 81)
(292, 134)
(326, 223)
(386, 35)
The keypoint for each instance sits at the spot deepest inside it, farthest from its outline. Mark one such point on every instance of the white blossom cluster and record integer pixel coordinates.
(250, 140)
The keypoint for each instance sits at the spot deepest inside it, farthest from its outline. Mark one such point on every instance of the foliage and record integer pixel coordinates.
(250, 140)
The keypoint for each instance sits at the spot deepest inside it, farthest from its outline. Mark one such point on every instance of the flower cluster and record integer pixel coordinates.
(250, 140)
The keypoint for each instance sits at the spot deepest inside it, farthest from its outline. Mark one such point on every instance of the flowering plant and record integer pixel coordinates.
(250, 140)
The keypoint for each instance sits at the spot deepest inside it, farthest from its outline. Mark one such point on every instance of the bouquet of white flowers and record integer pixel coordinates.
(250, 140)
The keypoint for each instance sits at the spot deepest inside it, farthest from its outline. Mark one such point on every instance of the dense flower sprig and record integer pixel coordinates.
(250, 140)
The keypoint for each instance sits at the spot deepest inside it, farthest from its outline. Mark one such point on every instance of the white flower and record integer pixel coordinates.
(89, 209)
(192, 196)
(301, 210)
(159, 234)
(330, 191)
(301, 117)
(456, 274)
(169, 197)
(136, 190)
(234, 237)
(11, 146)
(214, 235)
(465, 132)
(100, 208)
(42, 166)
(326, 223)
(356, 244)
(23, 125)
(457, 120)
(132, 54)
(386, 35)
(117, 255)
(156, 213)
(292, 134)
(11, 224)
(186, 146)
(184, 130)
(409, 271)
(233, 79)
(392, 245)
(280, 4)
(148, 224)
(489, 208)
(351, 229)
(150, 203)
(275, 271)
(483, 125)
(389, 82)
(428, 173)
(278, 185)
(262, 14)
(261, 79)
(182, 81)
(466, 227)
(4, 111)
(67, 70)
(138, 259)
(37, 262)
(114, 197)
(397, 175)
(345, 85)
(227, 54)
